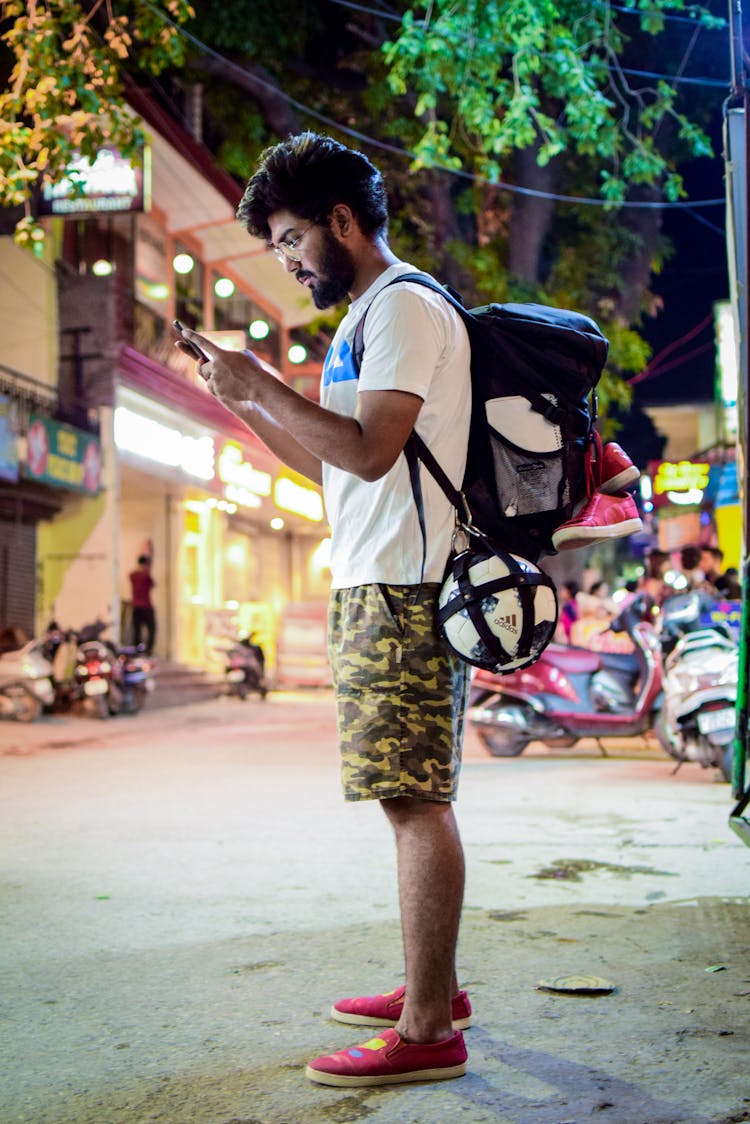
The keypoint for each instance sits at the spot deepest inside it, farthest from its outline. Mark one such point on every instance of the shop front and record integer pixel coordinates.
(234, 538)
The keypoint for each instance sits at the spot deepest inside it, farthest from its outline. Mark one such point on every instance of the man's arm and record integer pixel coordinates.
(292, 426)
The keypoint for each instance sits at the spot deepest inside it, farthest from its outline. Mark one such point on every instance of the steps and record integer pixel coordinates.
(177, 684)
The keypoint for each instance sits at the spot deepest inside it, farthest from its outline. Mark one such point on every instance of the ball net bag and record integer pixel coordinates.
(496, 610)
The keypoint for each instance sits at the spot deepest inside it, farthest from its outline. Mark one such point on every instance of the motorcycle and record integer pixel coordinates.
(135, 678)
(244, 669)
(697, 719)
(25, 682)
(571, 693)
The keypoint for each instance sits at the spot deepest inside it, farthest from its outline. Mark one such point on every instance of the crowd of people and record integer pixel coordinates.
(587, 610)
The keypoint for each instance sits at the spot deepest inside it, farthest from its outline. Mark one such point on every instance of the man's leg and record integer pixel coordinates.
(431, 887)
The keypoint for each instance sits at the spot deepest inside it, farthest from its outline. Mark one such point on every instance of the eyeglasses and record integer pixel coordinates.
(285, 251)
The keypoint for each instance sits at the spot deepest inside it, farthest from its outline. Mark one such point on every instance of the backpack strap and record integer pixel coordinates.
(415, 450)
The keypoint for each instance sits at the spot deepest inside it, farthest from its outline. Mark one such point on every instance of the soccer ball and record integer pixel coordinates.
(496, 610)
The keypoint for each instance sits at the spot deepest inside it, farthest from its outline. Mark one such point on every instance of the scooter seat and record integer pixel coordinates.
(573, 661)
(619, 661)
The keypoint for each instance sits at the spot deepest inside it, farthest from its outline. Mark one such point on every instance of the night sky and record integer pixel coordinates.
(692, 280)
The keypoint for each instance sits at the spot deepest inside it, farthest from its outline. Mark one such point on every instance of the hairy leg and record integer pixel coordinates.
(431, 886)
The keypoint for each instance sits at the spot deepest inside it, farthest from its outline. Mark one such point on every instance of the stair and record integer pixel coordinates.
(177, 684)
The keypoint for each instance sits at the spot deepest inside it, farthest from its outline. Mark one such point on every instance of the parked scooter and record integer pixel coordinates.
(135, 678)
(244, 670)
(89, 672)
(697, 719)
(25, 682)
(96, 673)
(571, 693)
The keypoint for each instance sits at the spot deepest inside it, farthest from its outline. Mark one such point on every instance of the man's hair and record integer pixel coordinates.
(309, 174)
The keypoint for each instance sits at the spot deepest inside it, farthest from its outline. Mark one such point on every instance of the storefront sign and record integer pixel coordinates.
(298, 499)
(681, 483)
(243, 484)
(154, 441)
(8, 441)
(61, 455)
(111, 184)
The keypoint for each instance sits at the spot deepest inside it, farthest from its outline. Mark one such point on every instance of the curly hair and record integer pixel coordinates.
(309, 174)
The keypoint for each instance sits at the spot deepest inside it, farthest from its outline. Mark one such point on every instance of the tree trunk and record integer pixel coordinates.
(635, 273)
(277, 113)
(532, 216)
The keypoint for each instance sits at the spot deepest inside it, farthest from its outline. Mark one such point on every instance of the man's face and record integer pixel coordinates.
(324, 264)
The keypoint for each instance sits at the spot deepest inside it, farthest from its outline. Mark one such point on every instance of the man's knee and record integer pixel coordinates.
(403, 810)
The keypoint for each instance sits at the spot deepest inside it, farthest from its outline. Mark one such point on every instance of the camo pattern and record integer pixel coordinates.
(400, 694)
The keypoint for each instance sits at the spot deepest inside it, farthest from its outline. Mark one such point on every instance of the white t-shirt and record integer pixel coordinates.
(416, 342)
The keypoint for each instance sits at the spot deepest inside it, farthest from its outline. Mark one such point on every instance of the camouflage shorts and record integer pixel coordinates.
(400, 694)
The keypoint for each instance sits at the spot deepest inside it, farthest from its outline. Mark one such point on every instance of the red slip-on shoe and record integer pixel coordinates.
(617, 471)
(600, 519)
(385, 1010)
(388, 1060)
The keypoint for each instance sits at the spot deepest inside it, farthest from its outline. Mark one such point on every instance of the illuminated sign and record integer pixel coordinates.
(298, 499)
(110, 184)
(61, 455)
(243, 484)
(154, 441)
(681, 483)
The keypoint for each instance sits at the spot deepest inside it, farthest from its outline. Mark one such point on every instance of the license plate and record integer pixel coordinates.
(236, 675)
(711, 720)
(96, 687)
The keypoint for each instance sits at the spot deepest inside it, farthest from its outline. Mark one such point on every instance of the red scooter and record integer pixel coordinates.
(572, 693)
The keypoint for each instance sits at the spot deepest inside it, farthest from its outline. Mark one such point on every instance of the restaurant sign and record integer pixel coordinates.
(108, 185)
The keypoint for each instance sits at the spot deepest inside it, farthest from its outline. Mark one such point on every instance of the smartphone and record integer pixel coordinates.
(196, 351)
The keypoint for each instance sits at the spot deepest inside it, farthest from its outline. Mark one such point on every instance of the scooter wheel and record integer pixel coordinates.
(25, 707)
(726, 763)
(497, 745)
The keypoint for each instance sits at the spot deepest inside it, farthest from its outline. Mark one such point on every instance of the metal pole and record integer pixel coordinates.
(737, 820)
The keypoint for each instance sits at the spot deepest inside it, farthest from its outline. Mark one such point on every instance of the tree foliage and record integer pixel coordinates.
(65, 92)
(479, 112)
(494, 76)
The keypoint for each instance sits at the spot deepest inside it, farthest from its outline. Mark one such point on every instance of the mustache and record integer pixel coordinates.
(303, 275)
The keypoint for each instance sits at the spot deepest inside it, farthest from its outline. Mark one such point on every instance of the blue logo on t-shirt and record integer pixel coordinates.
(339, 367)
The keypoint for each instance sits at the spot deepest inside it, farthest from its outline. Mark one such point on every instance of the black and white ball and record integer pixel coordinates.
(503, 611)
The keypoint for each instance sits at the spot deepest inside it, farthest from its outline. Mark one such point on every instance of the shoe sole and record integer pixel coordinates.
(577, 536)
(350, 1081)
(366, 1020)
(616, 483)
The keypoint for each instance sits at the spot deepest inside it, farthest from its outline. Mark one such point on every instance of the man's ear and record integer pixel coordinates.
(342, 220)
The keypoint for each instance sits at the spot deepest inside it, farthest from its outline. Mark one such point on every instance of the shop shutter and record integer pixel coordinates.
(17, 575)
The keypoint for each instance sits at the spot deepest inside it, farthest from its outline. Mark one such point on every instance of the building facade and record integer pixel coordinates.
(113, 448)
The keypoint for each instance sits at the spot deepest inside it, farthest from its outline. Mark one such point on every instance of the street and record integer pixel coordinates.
(184, 893)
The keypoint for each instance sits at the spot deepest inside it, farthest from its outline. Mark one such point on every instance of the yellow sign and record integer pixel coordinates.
(682, 476)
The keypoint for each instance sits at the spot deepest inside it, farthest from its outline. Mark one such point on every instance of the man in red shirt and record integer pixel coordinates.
(144, 617)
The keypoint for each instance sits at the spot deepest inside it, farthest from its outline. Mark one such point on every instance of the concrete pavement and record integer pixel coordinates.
(184, 893)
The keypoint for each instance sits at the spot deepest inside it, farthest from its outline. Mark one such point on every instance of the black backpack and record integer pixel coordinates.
(533, 374)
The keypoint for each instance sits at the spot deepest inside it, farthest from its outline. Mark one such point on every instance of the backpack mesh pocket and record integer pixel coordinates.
(528, 482)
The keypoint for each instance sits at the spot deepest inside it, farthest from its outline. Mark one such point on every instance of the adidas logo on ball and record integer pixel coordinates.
(496, 610)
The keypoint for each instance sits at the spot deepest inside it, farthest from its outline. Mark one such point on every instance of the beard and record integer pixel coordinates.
(334, 277)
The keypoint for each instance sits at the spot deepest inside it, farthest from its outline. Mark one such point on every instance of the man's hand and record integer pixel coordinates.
(231, 376)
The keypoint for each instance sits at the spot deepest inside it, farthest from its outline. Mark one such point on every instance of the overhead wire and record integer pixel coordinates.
(397, 150)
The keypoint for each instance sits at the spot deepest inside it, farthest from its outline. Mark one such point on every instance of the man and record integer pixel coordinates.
(400, 694)
(144, 615)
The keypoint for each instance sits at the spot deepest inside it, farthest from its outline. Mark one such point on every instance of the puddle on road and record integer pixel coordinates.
(571, 870)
